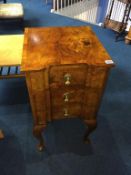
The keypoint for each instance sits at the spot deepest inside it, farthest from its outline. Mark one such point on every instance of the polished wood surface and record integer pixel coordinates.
(1, 134)
(61, 45)
(11, 47)
(128, 37)
(66, 70)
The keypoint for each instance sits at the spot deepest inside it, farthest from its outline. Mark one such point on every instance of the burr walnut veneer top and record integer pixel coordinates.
(47, 46)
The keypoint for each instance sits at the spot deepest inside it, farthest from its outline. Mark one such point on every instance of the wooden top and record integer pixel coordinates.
(62, 45)
(11, 47)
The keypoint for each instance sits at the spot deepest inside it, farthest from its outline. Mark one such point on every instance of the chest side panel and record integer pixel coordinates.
(95, 84)
(37, 83)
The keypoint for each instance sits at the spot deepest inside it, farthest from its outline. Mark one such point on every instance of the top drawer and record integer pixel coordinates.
(67, 75)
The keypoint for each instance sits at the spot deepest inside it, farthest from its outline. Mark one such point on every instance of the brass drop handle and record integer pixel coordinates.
(67, 78)
(66, 97)
(66, 114)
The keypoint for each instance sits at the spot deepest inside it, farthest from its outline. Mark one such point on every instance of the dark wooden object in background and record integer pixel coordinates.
(128, 37)
(66, 69)
(1, 134)
(116, 7)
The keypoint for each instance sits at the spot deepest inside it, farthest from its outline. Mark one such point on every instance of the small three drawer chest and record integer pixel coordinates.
(66, 69)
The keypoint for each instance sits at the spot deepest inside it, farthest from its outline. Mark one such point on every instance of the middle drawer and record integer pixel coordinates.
(66, 95)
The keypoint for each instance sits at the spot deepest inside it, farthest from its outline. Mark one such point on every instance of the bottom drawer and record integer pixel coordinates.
(61, 112)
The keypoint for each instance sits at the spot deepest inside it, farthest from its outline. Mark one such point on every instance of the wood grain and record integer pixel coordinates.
(62, 45)
(128, 37)
(50, 54)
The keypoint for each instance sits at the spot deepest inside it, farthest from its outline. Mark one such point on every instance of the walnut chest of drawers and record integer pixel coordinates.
(66, 69)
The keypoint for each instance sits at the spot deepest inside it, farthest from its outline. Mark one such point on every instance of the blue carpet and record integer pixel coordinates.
(110, 150)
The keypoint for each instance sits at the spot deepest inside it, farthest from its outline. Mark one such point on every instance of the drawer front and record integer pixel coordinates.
(66, 111)
(67, 75)
(66, 96)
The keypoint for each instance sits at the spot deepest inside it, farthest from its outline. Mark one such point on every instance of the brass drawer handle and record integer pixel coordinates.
(67, 78)
(66, 97)
(66, 114)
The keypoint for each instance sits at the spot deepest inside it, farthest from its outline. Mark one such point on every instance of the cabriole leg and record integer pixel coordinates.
(37, 132)
(91, 126)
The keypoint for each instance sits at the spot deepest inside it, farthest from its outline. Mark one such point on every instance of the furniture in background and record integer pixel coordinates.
(12, 11)
(1, 134)
(66, 69)
(128, 37)
(10, 58)
(118, 16)
(10, 55)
